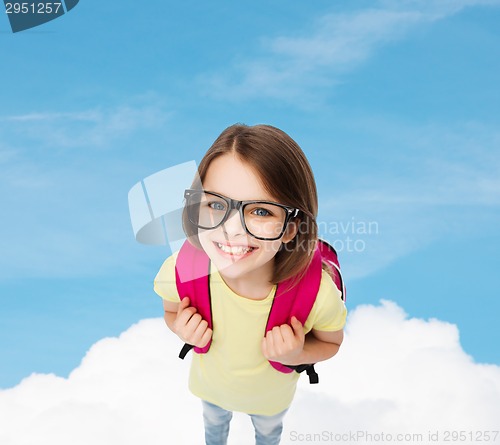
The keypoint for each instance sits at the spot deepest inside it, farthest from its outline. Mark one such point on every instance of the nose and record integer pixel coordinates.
(233, 225)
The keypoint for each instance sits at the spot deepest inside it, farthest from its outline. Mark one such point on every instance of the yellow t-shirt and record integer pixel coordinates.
(234, 374)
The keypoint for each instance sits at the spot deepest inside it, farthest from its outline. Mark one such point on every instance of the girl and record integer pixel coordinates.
(252, 247)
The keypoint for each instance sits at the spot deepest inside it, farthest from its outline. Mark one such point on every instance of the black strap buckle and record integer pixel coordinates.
(185, 349)
(311, 372)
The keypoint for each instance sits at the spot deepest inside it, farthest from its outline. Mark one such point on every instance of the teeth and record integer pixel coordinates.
(237, 250)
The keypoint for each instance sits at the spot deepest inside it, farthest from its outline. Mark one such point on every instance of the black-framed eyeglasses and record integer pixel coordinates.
(264, 220)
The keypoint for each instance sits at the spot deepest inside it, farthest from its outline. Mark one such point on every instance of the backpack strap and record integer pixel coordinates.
(300, 299)
(329, 256)
(192, 274)
(296, 300)
(310, 371)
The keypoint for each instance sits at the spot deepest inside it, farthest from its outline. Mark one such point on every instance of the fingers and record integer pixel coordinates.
(298, 329)
(183, 305)
(295, 322)
(205, 338)
(283, 342)
(183, 317)
(273, 343)
(190, 326)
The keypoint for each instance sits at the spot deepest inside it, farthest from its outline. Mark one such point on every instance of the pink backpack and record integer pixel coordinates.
(193, 265)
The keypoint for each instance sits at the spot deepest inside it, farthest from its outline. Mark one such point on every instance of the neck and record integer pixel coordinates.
(254, 284)
(249, 290)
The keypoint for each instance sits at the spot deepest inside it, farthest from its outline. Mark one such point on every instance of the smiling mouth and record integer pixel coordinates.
(234, 250)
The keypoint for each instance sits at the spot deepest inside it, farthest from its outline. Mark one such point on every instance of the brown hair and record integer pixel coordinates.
(285, 174)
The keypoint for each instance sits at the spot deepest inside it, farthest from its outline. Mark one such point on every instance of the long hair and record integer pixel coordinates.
(285, 174)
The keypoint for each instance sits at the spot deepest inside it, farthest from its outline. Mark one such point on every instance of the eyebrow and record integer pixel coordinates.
(244, 200)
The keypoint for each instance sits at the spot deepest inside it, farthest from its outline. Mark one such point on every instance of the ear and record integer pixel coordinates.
(290, 232)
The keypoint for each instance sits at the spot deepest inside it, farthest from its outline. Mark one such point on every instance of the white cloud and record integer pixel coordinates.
(393, 375)
(293, 67)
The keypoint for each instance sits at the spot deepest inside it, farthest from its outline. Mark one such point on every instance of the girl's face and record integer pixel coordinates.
(240, 258)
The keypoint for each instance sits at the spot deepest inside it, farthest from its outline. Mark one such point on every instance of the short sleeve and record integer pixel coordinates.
(164, 283)
(329, 312)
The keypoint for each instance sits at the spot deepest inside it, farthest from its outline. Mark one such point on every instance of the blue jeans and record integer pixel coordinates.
(267, 428)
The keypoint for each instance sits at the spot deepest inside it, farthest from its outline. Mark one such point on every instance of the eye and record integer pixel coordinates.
(217, 205)
(262, 212)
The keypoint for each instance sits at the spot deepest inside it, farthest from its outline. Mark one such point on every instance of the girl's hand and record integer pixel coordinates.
(190, 327)
(284, 343)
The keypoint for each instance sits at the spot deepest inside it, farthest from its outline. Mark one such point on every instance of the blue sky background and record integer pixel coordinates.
(396, 104)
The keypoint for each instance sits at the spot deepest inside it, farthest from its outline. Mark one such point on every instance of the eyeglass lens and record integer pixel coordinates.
(262, 220)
